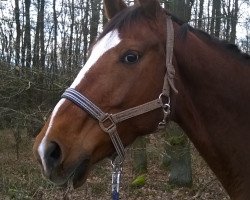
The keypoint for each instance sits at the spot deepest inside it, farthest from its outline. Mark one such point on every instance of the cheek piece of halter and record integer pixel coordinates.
(108, 121)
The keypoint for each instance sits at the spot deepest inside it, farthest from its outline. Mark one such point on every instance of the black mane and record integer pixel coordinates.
(185, 27)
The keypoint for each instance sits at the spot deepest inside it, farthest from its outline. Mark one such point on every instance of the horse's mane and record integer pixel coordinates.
(132, 15)
(185, 27)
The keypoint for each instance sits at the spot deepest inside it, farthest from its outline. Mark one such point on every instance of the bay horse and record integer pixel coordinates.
(126, 69)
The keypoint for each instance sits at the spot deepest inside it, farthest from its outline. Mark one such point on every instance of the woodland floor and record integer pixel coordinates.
(21, 178)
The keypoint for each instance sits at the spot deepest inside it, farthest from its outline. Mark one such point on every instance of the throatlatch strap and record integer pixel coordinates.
(169, 76)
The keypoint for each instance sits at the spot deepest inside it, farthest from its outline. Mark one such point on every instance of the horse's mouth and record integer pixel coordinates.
(80, 173)
(77, 176)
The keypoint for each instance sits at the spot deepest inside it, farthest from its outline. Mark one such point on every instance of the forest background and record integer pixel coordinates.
(44, 44)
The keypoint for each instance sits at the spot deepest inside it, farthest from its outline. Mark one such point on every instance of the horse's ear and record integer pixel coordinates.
(112, 7)
(151, 7)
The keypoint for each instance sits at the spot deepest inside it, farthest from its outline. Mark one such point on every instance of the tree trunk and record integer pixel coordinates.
(36, 39)
(77, 46)
(212, 19)
(27, 33)
(63, 50)
(177, 157)
(85, 23)
(54, 60)
(200, 15)
(26, 47)
(94, 22)
(208, 16)
(41, 30)
(228, 21)
(217, 5)
(139, 155)
(9, 47)
(234, 21)
(18, 33)
(39, 50)
(182, 9)
(72, 23)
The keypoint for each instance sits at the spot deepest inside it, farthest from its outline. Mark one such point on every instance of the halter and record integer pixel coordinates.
(108, 122)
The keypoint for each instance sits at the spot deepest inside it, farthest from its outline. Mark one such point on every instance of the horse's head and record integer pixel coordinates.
(125, 69)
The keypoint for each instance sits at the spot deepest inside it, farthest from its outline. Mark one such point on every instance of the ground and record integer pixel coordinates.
(20, 178)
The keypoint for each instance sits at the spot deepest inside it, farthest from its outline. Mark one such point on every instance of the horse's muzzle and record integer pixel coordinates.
(57, 170)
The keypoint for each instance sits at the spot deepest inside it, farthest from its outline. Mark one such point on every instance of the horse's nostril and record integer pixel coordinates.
(56, 152)
(52, 155)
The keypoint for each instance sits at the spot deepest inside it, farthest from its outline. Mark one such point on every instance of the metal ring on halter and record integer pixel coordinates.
(165, 108)
(161, 98)
(117, 161)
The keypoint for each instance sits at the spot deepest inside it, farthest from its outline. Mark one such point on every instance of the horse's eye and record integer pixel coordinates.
(130, 57)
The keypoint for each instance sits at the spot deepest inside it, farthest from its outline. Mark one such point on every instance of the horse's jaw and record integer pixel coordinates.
(80, 173)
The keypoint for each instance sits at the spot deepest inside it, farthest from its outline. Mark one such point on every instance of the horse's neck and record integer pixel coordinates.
(213, 108)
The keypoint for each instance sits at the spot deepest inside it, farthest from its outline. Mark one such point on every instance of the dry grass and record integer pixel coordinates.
(21, 178)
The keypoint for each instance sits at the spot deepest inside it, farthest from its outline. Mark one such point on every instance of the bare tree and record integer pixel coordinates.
(85, 23)
(234, 21)
(200, 15)
(70, 46)
(41, 30)
(217, 7)
(26, 44)
(95, 19)
(55, 24)
(18, 33)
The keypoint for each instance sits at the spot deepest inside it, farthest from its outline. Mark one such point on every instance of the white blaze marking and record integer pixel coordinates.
(109, 41)
(42, 146)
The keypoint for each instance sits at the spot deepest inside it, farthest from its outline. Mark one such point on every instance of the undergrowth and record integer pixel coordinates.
(21, 179)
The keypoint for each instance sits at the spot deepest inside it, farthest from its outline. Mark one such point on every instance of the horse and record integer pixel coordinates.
(207, 92)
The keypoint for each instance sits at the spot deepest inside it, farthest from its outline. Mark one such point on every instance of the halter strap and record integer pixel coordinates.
(169, 76)
(106, 121)
(84, 103)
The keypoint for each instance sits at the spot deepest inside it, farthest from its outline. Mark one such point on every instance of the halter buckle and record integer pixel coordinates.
(107, 123)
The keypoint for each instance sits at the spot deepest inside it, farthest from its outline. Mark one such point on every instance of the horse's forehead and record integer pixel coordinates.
(110, 40)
